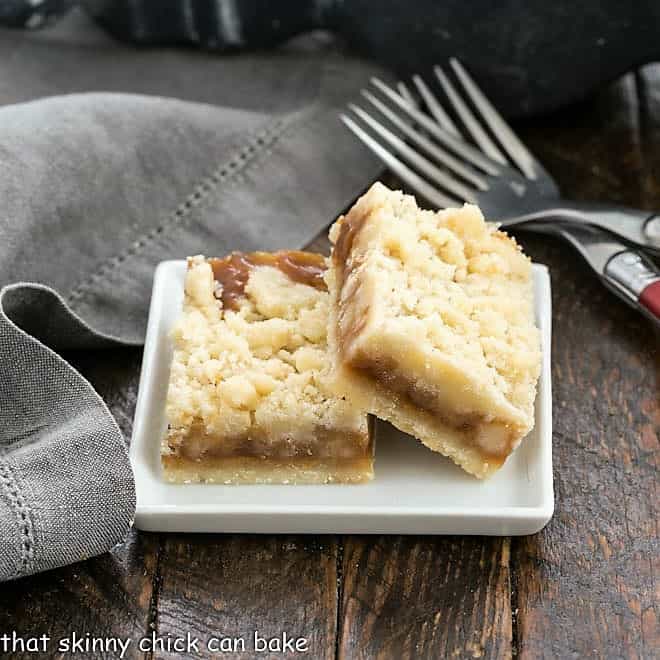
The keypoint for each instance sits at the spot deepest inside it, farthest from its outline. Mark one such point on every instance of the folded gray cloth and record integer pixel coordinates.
(98, 188)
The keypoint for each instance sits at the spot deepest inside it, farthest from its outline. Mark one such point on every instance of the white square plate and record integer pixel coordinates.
(414, 491)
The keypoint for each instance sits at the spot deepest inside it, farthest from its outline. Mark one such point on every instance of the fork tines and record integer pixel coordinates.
(427, 150)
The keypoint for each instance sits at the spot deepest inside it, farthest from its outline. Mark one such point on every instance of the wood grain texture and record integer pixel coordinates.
(108, 596)
(425, 597)
(233, 585)
(587, 585)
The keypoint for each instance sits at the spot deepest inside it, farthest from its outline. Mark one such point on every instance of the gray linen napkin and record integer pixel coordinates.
(95, 190)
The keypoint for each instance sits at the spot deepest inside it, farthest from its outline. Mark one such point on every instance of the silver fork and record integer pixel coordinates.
(486, 176)
(496, 170)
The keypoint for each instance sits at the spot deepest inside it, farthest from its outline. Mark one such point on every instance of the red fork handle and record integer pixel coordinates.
(649, 298)
(636, 279)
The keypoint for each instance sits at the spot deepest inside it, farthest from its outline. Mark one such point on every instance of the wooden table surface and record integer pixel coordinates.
(585, 586)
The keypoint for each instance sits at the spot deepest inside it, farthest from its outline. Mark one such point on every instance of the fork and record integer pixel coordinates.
(486, 174)
(428, 152)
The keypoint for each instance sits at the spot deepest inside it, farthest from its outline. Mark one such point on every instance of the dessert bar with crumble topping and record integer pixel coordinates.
(247, 400)
(432, 326)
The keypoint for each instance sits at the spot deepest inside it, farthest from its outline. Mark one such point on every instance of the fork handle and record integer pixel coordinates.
(641, 228)
(650, 299)
(630, 273)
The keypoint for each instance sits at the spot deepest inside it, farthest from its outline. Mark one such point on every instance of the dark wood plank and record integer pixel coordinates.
(425, 597)
(234, 585)
(107, 596)
(584, 587)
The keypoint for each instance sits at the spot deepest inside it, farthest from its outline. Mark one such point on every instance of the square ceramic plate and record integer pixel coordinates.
(415, 491)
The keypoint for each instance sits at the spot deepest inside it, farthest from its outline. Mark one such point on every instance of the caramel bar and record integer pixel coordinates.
(247, 399)
(432, 328)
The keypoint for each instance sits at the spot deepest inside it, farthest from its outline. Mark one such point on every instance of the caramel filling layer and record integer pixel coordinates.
(233, 272)
(350, 227)
(323, 443)
(475, 426)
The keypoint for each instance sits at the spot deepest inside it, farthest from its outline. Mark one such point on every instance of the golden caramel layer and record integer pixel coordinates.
(196, 443)
(233, 272)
